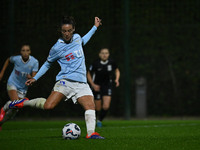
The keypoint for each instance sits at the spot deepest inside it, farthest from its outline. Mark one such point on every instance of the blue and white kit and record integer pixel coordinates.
(20, 71)
(71, 59)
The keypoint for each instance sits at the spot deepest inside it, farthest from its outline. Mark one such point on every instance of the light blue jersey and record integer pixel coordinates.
(70, 57)
(20, 71)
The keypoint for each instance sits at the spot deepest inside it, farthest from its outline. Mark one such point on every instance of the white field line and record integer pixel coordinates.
(161, 125)
(133, 126)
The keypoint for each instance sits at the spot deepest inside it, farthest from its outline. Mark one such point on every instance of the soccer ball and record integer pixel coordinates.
(71, 131)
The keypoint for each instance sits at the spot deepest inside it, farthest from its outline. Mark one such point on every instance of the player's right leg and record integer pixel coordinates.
(41, 103)
(98, 110)
(98, 103)
(106, 105)
(106, 92)
(53, 100)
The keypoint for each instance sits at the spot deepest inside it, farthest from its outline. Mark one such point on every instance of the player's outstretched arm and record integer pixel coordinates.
(4, 68)
(97, 23)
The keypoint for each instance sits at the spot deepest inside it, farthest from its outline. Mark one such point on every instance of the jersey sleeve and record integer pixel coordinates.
(45, 67)
(114, 65)
(53, 55)
(35, 66)
(12, 59)
(92, 67)
(87, 37)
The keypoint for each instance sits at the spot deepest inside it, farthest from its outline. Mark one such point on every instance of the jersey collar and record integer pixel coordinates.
(61, 40)
(104, 62)
(27, 60)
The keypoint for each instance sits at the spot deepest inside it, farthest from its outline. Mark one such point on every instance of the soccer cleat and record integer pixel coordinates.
(2, 114)
(94, 135)
(17, 103)
(99, 124)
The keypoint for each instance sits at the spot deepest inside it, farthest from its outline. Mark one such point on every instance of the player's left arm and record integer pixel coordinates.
(117, 76)
(97, 23)
(34, 71)
(32, 75)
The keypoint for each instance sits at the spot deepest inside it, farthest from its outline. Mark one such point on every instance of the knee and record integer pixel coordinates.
(87, 102)
(90, 106)
(106, 107)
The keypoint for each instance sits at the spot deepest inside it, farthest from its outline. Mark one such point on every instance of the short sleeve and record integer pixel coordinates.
(114, 65)
(35, 66)
(91, 68)
(12, 59)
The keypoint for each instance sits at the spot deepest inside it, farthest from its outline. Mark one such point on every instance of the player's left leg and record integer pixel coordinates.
(87, 102)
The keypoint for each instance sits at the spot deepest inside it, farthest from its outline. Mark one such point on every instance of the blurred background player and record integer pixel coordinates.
(100, 78)
(71, 80)
(25, 67)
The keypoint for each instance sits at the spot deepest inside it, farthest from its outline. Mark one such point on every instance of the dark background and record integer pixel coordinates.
(163, 46)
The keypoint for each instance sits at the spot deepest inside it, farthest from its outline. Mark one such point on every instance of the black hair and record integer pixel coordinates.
(68, 20)
(104, 48)
(25, 44)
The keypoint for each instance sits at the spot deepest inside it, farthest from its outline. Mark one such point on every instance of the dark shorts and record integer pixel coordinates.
(104, 91)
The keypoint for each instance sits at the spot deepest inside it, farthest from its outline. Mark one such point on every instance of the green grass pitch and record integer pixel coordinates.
(119, 134)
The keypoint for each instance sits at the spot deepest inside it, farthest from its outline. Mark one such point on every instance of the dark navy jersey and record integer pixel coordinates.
(102, 72)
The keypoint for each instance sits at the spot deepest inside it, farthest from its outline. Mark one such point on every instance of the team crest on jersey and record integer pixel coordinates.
(109, 67)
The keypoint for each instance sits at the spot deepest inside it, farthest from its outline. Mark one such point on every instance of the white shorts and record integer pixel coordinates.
(72, 89)
(21, 94)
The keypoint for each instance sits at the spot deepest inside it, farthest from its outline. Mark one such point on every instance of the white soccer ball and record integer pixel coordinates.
(71, 131)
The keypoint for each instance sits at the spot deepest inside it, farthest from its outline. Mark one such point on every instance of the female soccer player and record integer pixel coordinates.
(25, 67)
(101, 82)
(71, 80)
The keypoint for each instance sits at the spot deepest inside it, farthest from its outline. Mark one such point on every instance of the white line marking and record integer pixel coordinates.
(133, 126)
